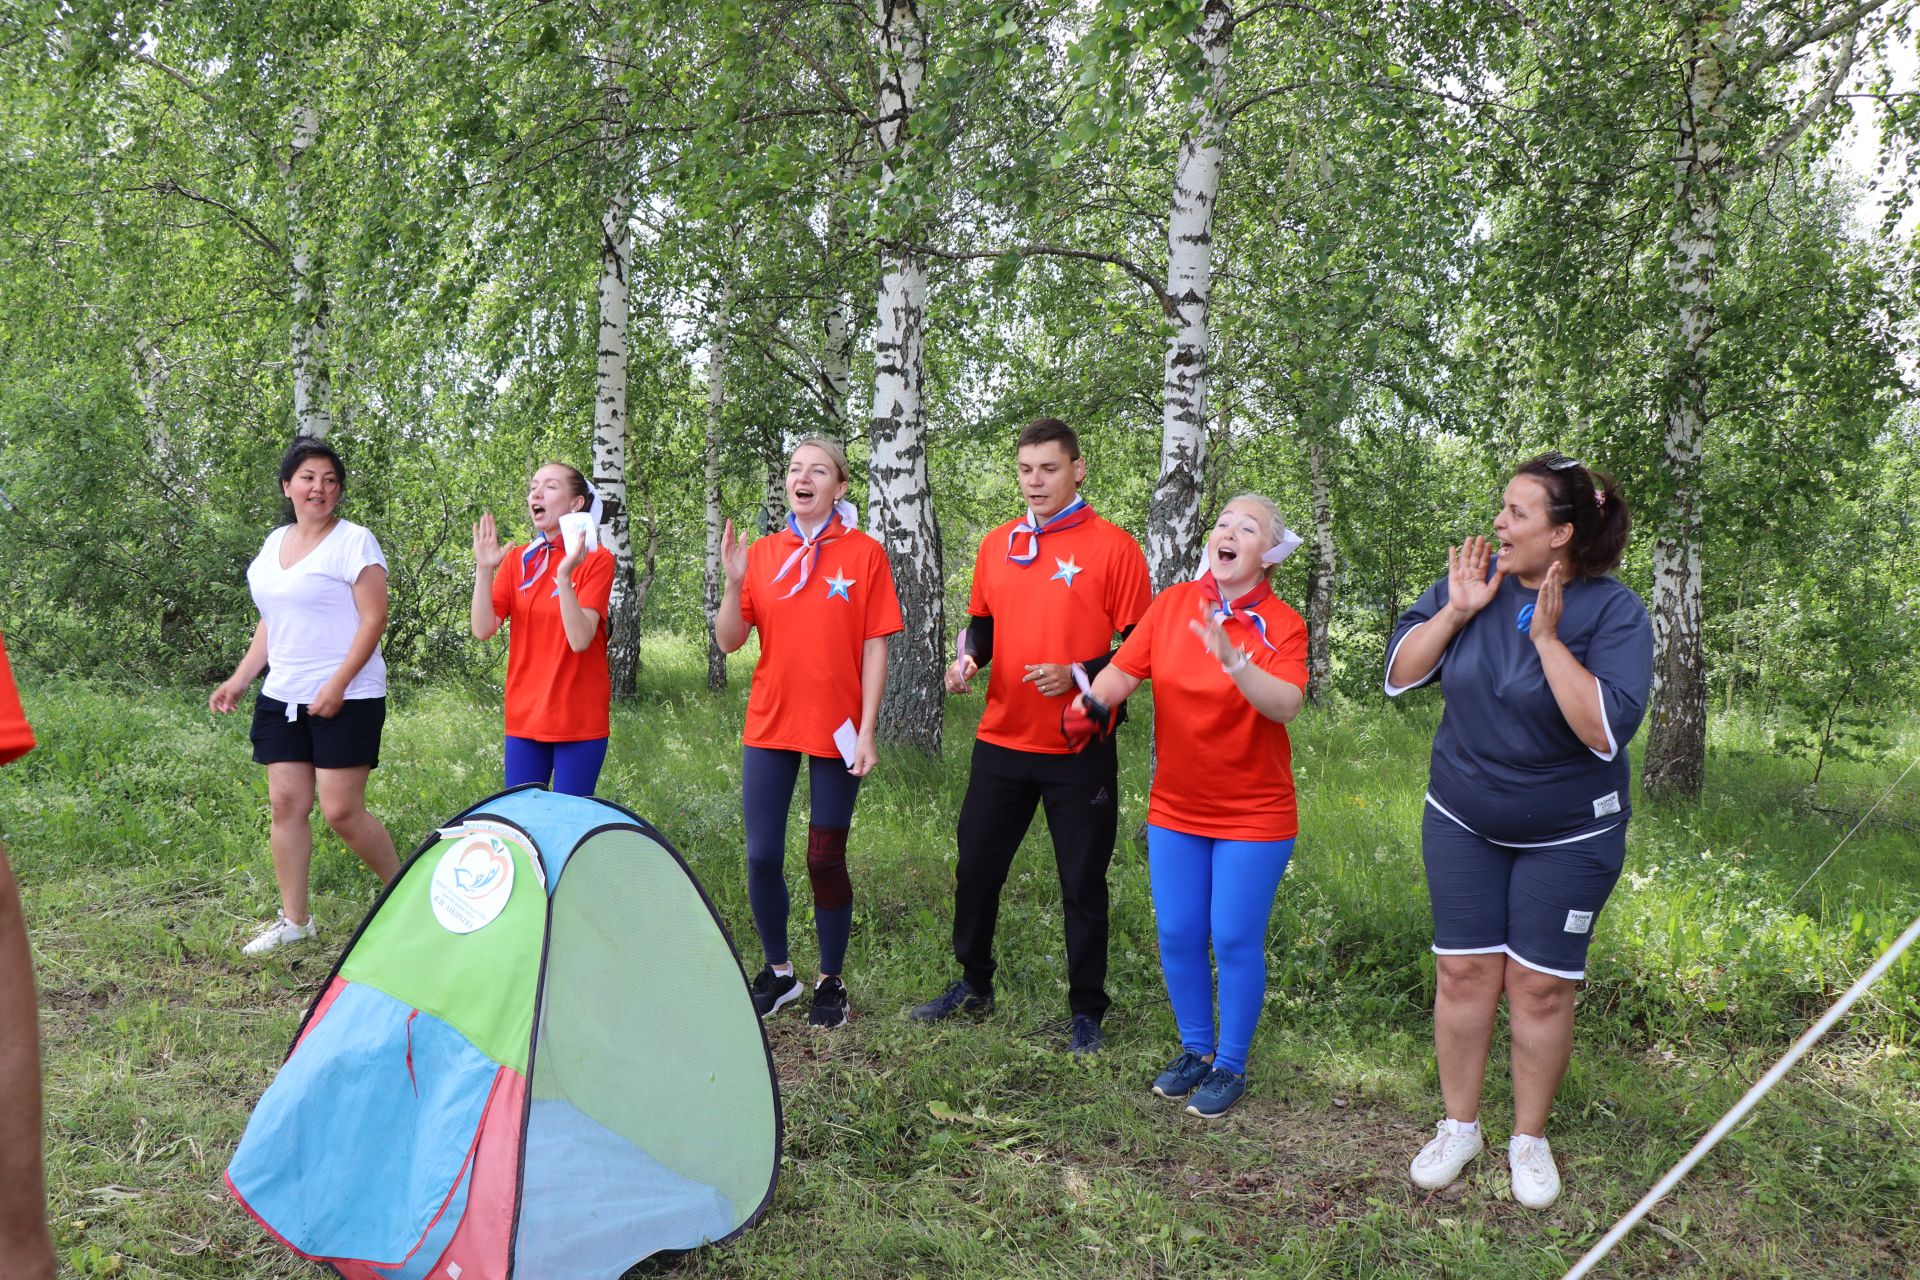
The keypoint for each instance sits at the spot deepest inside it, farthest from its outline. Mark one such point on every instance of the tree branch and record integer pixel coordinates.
(1812, 111)
(1127, 265)
(197, 90)
(1795, 43)
(173, 187)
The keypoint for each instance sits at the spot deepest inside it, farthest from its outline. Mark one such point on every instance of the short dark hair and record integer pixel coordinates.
(307, 447)
(1589, 501)
(1047, 431)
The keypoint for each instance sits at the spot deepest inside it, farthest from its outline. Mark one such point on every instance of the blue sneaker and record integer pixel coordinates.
(1184, 1072)
(1085, 1036)
(1217, 1094)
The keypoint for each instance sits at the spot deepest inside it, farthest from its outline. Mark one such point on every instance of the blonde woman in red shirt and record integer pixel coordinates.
(820, 593)
(1228, 661)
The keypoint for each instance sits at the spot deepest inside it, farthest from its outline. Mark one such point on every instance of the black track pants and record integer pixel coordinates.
(1082, 797)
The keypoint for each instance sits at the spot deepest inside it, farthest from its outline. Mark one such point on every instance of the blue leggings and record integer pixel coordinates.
(1220, 891)
(573, 767)
(767, 779)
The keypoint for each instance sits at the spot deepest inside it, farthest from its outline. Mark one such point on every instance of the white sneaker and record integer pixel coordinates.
(1441, 1160)
(279, 934)
(1536, 1180)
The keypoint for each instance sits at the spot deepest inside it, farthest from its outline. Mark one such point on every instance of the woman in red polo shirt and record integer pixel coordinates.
(555, 604)
(1228, 661)
(821, 595)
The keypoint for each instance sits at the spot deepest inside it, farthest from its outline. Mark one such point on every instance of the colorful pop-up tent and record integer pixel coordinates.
(537, 1058)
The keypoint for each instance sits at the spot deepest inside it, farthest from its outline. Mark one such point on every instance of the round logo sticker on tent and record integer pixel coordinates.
(472, 882)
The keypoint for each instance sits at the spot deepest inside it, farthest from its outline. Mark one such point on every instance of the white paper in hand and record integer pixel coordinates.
(846, 737)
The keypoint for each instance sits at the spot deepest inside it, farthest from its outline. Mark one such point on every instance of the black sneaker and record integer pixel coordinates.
(830, 1004)
(771, 990)
(1086, 1035)
(958, 998)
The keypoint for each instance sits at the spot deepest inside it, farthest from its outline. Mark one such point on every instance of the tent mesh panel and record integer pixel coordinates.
(647, 1031)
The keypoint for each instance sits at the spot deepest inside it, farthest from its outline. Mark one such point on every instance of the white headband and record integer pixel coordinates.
(1288, 544)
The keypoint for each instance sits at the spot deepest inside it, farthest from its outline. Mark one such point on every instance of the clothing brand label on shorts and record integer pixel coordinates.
(1606, 804)
(1579, 921)
(472, 881)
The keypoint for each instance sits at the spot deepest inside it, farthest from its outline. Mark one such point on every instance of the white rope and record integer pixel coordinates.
(1856, 826)
(1740, 1109)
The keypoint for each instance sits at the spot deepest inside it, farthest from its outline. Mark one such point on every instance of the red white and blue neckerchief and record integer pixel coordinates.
(1243, 608)
(533, 561)
(807, 554)
(1031, 527)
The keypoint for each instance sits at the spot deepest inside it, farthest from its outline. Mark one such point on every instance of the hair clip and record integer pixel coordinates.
(1600, 498)
(1562, 463)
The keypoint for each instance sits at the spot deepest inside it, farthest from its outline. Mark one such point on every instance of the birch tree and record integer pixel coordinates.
(307, 343)
(900, 502)
(1174, 518)
(714, 583)
(610, 394)
(1729, 49)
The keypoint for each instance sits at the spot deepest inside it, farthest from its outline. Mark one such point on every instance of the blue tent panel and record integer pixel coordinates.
(379, 1096)
(588, 1194)
(556, 822)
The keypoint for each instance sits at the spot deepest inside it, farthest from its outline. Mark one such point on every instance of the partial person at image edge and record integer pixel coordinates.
(26, 1248)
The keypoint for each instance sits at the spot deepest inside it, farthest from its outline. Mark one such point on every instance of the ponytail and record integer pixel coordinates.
(1592, 503)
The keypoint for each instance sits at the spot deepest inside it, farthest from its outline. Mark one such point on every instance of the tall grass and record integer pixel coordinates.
(139, 832)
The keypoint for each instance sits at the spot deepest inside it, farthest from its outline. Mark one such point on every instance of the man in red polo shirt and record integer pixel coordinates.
(1050, 590)
(26, 1251)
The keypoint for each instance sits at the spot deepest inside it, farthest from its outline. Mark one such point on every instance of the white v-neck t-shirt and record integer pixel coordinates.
(311, 616)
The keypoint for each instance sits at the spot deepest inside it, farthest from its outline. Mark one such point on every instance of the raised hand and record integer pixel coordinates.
(733, 556)
(1469, 590)
(487, 551)
(1214, 636)
(570, 561)
(1545, 624)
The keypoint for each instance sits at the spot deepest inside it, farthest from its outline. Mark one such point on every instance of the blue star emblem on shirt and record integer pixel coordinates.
(837, 586)
(1066, 569)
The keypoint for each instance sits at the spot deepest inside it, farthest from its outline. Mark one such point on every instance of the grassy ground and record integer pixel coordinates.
(139, 832)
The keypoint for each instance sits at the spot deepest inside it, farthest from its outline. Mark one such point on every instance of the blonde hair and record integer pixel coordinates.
(1276, 523)
(835, 454)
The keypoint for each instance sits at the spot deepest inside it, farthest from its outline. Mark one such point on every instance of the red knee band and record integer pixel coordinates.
(827, 867)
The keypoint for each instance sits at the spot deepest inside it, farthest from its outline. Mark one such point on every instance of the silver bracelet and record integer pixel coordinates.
(1237, 667)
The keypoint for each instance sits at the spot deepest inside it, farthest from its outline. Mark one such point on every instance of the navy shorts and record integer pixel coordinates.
(349, 740)
(1537, 905)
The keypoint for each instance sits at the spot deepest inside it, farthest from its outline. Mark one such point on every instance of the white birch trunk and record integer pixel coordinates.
(307, 345)
(610, 416)
(715, 580)
(1174, 516)
(1676, 749)
(1321, 580)
(898, 491)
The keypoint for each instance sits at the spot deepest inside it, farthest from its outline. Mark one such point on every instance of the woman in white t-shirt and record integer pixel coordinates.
(320, 584)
